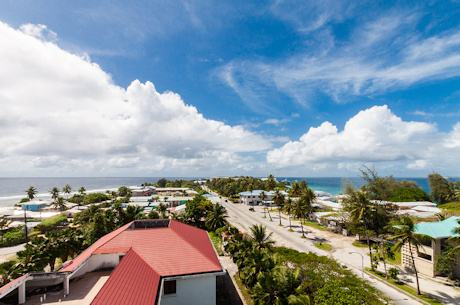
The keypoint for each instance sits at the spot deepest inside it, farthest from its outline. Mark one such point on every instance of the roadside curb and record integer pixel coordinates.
(397, 288)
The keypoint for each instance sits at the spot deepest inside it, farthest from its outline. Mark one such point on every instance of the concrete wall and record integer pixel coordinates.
(192, 291)
(99, 262)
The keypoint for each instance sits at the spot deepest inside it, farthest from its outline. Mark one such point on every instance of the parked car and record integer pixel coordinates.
(251, 209)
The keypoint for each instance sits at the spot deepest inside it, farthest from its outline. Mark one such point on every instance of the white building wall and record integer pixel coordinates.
(192, 291)
(98, 262)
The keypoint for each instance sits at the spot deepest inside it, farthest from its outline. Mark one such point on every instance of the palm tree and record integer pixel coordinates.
(404, 228)
(162, 208)
(307, 197)
(67, 190)
(295, 189)
(263, 196)
(288, 209)
(360, 209)
(216, 217)
(54, 193)
(82, 191)
(271, 183)
(31, 192)
(260, 237)
(299, 211)
(278, 199)
(59, 203)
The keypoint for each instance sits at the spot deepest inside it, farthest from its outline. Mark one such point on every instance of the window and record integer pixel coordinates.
(425, 256)
(169, 287)
(120, 257)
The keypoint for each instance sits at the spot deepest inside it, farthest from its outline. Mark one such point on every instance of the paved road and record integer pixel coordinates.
(10, 250)
(242, 218)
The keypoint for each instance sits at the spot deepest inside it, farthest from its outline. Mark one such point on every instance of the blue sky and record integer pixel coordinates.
(293, 88)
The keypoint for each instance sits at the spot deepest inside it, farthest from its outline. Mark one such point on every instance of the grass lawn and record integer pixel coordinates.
(313, 224)
(406, 288)
(397, 260)
(324, 246)
(216, 242)
(244, 290)
(359, 244)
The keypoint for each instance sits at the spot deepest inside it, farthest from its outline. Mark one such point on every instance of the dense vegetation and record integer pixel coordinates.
(284, 276)
(55, 247)
(229, 187)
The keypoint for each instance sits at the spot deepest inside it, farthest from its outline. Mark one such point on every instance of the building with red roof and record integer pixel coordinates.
(153, 261)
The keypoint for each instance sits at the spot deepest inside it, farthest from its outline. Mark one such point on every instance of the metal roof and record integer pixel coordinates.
(132, 282)
(441, 229)
(257, 193)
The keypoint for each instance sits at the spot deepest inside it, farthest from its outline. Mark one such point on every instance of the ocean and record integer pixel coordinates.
(13, 189)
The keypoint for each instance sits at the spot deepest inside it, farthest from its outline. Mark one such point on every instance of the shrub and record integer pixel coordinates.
(52, 223)
(13, 237)
(393, 273)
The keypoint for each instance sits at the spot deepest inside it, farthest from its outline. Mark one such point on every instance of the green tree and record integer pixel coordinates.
(289, 209)
(31, 192)
(54, 193)
(441, 188)
(59, 203)
(271, 183)
(153, 215)
(263, 196)
(278, 200)
(82, 191)
(123, 191)
(216, 218)
(360, 209)
(404, 232)
(260, 237)
(299, 211)
(409, 194)
(295, 189)
(67, 189)
(445, 262)
(162, 208)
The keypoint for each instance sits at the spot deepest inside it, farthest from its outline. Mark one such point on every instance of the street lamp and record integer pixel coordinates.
(362, 261)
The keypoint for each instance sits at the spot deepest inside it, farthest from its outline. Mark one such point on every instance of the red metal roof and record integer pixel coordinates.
(88, 252)
(13, 282)
(152, 253)
(132, 282)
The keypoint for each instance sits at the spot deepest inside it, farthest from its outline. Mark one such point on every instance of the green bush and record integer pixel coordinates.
(24, 200)
(52, 223)
(13, 237)
(393, 273)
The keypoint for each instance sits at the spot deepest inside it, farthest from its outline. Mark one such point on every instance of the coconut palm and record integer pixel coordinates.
(54, 193)
(82, 191)
(162, 208)
(307, 197)
(259, 236)
(263, 196)
(360, 209)
(299, 211)
(295, 189)
(216, 217)
(404, 229)
(59, 203)
(67, 190)
(278, 199)
(288, 209)
(31, 192)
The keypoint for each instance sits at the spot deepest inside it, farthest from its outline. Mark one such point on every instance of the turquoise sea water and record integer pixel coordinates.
(13, 189)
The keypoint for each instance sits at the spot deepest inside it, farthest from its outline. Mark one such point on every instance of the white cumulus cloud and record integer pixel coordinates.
(62, 112)
(373, 135)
